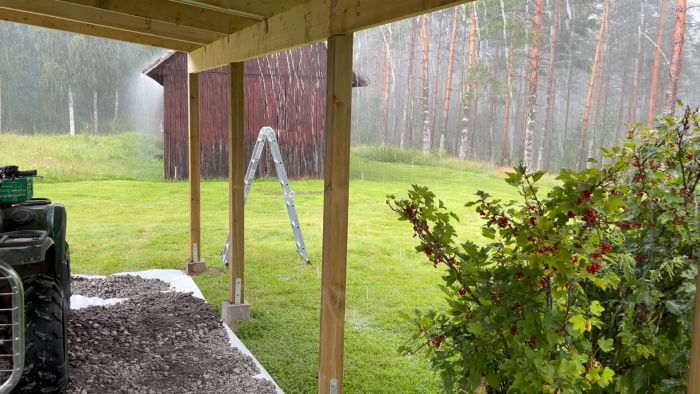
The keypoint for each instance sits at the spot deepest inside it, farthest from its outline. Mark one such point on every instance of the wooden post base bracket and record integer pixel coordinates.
(196, 267)
(232, 314)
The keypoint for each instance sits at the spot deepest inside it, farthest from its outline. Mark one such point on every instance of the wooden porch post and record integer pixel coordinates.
(195, 265)
(694, 373)
(335, 212)
(236, 309)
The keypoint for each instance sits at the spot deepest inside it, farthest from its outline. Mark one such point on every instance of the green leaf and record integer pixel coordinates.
(606, 377)
(488, 233)
(605, 344)
(596, 309)
(579, 323)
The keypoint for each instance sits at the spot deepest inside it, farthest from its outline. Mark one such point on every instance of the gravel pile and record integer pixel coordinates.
(153, 343)
(119, 286)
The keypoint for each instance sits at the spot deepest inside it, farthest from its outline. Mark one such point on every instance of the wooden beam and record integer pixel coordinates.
(93, 30)
(356, 15)
(195, 172)
(694, 373)
(307, 23)
(98, 17)
(236, 178)
(172, 12)
(259, 9)
(335, 212)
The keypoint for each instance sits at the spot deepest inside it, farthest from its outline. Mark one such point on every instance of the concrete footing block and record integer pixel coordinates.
(232, 314)
(196, 267)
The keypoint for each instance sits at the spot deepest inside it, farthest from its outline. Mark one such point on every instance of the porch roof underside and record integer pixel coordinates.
(215, 32)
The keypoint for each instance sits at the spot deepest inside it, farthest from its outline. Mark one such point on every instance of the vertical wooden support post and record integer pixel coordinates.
(694, 373)
(236, 309)
(335, 212)
(196, 263)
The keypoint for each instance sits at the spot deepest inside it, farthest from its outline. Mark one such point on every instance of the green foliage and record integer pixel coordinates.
(587, 289)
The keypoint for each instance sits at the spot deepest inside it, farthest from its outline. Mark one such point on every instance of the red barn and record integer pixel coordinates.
(285, 91)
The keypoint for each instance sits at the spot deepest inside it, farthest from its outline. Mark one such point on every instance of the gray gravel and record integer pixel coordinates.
(118, 286)
(153, 343)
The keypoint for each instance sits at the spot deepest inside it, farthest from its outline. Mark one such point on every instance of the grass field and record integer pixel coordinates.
(126, 225)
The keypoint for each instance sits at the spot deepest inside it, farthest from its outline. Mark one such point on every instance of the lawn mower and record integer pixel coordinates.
(34, 288)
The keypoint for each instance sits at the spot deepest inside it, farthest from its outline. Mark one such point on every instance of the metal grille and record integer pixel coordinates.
(11, 328)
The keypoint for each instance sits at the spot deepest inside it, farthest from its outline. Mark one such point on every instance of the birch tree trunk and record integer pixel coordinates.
(464, 134)
(572, 30)
(95, 123)
(448, 83)
(591, 85)
(408, 108)
(676, 57)
(551, 86)
(387, 81)
(657, 65)
(116, 108)
(71, 111)
(425, 98)
(436, 85)
(637, 69)
(505, 159)
(531, 99)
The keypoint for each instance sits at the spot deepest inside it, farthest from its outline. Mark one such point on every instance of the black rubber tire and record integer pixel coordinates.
(46, 356)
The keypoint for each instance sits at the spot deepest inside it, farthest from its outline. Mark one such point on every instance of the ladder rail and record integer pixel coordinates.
(267, 136)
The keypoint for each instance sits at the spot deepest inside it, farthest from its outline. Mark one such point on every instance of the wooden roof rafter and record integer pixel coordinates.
(178, 12)
(67, 11)
(309, 22)
(92, 30)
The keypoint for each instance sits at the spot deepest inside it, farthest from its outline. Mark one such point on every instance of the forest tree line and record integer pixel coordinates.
(58, 82)
(545, 82)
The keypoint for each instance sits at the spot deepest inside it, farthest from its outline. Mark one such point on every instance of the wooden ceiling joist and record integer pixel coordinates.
(92, 30)
(258, 9)
(168, 32)
(175, 12)
(307, 23)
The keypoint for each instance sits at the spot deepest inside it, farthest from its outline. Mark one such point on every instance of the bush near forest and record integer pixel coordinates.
(589, 288)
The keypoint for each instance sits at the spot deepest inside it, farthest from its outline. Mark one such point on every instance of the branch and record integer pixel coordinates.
(668, 64)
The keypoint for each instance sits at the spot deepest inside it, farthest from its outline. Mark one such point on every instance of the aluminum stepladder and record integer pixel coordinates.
(267, 134)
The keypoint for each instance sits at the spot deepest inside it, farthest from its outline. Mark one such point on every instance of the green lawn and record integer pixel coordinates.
(122, 225)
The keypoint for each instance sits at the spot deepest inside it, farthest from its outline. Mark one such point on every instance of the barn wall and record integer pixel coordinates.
(285, 91)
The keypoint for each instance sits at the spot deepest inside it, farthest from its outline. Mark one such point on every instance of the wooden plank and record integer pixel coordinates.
(335, 211)
(98, 17)
(236, 170)
(259, 9)
(307, 23)
(172, 12)
(93, 30)
(195, 173)
(356, 15)
(694, 373)
(281, 31)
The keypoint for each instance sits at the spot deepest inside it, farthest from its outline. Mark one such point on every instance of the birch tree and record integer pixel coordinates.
(464, 134)
(425, 98)
(531, 99)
